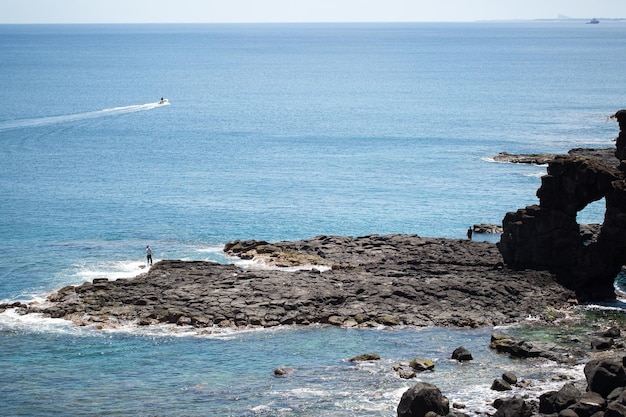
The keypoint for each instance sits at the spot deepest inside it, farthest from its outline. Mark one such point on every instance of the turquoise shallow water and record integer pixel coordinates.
(134, 373)
(274, 132)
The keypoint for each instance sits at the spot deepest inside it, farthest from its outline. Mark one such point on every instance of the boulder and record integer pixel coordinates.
(554, 401)
(422, 364)
(510, 377)
(589, 404)
(512, 407)
(423, 398)
(617, 395)
(611, 332)
(604, 375)
(615, 409)
(283, 371)
(602, 343)
(500, 384)
(461, 354)
(514, 347)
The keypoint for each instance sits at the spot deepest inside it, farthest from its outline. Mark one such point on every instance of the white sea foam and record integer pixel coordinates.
(211, 249)
(535, 174)
(11, 319)
(113, 270)
(177, 331)
(259, 264)
(36, 322)
(619, 305)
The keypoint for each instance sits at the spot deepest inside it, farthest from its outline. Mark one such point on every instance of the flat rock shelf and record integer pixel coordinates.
(331, 280)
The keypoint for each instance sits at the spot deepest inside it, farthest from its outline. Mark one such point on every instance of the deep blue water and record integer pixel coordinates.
(274, 132)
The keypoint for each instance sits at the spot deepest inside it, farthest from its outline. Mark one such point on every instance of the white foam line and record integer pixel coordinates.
(42, 121)
(11, 319)
(37, 323)
(256, 264)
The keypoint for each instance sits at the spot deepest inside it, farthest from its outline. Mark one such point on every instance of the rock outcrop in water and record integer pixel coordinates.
(547, 236)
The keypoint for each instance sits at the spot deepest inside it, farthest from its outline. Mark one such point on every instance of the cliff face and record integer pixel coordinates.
(548, 237)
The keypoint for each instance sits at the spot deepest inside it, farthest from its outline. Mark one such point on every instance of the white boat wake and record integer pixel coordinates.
(49, 120)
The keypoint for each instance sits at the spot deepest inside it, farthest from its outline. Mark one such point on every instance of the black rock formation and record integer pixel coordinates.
(547, 236)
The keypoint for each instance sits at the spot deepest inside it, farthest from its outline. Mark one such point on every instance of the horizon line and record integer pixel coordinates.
(554, 19)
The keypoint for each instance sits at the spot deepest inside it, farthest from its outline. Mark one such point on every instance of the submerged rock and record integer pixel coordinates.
(283, 371)
(365, 357)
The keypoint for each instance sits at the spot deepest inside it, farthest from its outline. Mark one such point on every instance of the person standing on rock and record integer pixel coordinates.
(469, 233)
(148, 255)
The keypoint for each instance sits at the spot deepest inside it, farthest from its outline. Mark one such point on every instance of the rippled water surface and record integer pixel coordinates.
(275, 132)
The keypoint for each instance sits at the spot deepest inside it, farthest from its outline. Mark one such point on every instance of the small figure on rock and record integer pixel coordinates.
(469, 233)
(148, 255)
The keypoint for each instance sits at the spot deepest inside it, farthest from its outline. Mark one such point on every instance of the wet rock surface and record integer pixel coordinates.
(373, 280)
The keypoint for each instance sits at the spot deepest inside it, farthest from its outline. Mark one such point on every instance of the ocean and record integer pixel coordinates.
(274, 132)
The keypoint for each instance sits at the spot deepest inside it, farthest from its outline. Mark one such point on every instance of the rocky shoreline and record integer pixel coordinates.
(371, 280)
(397, 280)
(330, 280)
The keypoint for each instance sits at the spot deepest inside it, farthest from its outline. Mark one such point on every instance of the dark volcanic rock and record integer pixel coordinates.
(532, 158)
(390, 280)
(421, 399)
(603, 376)
(510, 377)
(366, 357)
(517, 348)
(605, 155)
(620, 142)
(461, 354)
(283, 371)
(422, 364)
(513, 407)
(487, 228)
(548, 237)
(500, 384)
(555, 401)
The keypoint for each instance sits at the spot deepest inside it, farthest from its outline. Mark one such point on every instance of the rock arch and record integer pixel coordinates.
(547, 236)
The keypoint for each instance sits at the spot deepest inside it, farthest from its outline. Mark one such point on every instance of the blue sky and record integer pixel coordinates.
(227, 11)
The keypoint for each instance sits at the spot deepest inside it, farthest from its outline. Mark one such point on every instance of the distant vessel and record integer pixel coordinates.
(593, 21)
(163, 101)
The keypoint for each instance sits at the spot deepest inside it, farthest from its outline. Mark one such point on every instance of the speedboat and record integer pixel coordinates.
(163, 101)
(593, 21)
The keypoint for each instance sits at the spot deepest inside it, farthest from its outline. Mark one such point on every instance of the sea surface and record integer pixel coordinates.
(275, 132)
